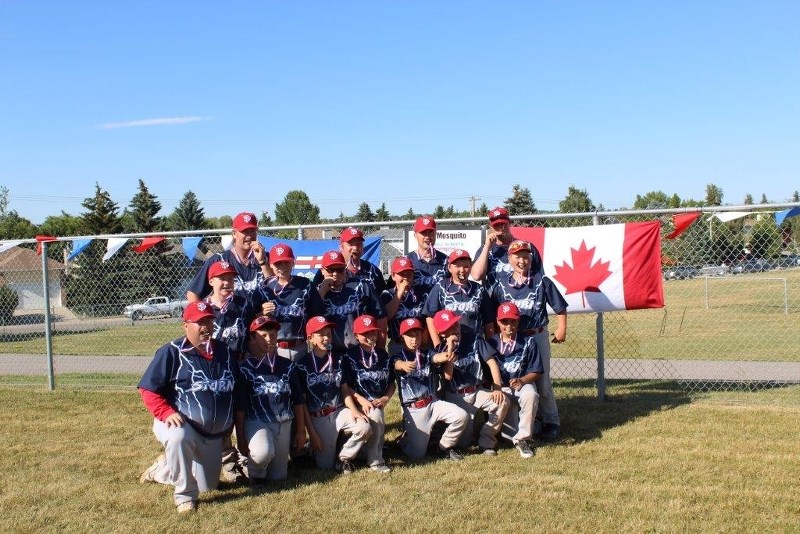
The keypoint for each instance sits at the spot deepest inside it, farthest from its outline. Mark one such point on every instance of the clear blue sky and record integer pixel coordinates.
(406, 102)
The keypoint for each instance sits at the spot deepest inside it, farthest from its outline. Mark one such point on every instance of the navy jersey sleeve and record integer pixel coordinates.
(553, 296)
(488, 310)
(159, 372)
(374, 306)
(433, 302)
(241, 393)
(348, 373)
(318, 278)
(315, 305)
(485, 350)
(378, 280)
(534, 359)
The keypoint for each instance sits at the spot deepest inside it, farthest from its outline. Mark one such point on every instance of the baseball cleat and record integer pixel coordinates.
(451, 455)
(489, 452)
(148, 474)
(186, 507)
(382, 468)
(346, 467)
(524, 449)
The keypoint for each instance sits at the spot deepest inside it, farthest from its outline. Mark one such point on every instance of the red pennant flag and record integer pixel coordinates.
(682, 221)
(602, 268)
(147, 243)
(43, 239)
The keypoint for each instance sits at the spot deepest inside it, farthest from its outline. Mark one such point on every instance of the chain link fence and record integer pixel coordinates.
(731, 319)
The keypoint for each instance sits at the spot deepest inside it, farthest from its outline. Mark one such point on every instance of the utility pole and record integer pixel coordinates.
(473, 199)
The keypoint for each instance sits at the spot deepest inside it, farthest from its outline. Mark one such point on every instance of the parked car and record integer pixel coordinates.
(680, 272)
(750, 266)
(713, 270)
(789, 260)
(155, 306)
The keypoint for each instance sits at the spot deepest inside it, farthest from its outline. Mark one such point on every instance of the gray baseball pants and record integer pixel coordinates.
(328, 427)
(480, 399)
(418, 423)
(193, 462)
(544, 386)
(518, 423)
(269, 445)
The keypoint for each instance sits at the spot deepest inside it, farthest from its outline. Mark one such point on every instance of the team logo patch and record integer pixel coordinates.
(402, 263)
(333, 255)
(409, 322)
(202, 306)
(426, 221)
(247, 218)
(366, 321)
(225, 264)
(506, 308)
(353, 231)
(320, 319)
(446, 316)
(496, 213)
(279, 250)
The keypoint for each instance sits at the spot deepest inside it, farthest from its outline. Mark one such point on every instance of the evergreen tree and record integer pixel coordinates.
(576, 201)
(364, 213)
(675, 201)
(188, 215)
(520, 202)
(713, 195)
(382, 214)
(764, 199)
(410, 214)
(796, 196)
(438, 212)
(296, 208)
(651, 201)
(483, 210)
(101, 216)
(264, 220)
(144, 210)
(748, 199)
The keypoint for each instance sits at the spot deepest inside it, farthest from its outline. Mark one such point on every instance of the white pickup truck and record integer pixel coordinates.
(155, 306)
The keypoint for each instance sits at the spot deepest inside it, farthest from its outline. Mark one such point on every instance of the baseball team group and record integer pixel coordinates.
(292, 366)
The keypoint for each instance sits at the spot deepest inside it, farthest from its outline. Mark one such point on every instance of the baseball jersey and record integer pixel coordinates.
(468, 367)
(420, 383)
(248, 274)
(269, 389)
(321, 379)
(516, 358)
(231, 321)
(428, 273)
(367, 271)
(531, 297)
(497, 262)
(410, 306)
(199, 388)
(291, 304)
(368, 373)
(342, 307)
(470, 301)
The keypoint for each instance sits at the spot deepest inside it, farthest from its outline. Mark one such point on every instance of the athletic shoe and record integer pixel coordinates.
(147, 476)
(550, 432)
(346, 467)
(382, 468)
(186, 507)
(489, 452)
(258, 483)
(451, 455)
(524, 449)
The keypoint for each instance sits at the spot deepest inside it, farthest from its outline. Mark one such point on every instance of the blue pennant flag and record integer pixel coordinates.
(308, 253)
(190, 245)
(78, 246)
(781, 216)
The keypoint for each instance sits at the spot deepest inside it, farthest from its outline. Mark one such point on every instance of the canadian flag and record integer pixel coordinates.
(602, 268)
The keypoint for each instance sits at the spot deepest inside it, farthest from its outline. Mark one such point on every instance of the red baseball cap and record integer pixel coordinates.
(459, 254)
(518, 246)
(444, 319)
(245, 221)
(426, 222)
(348, 234)
(281, 252)
(410, 324)
(219, 268)
(194, 312)
(498, 215)
(315, 324)
(333, 257)
(507, 310)
(401, 264)
(364, 324)
(263, 321)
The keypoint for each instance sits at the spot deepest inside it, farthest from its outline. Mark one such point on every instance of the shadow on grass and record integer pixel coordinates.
(584, 417)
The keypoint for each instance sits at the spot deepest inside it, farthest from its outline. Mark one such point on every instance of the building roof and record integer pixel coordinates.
(25, 259)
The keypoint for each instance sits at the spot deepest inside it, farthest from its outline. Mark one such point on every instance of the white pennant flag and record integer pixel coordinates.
(728, 216)
(227, 242)
(113, 246)
(6, 245)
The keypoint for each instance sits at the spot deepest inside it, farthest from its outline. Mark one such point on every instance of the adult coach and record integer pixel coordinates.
(247, 257)
(188, 387)
(429, 264)
(351, 245)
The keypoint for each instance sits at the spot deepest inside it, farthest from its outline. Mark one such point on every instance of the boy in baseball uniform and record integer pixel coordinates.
(189, 389)
(520, 367)
(269, 399)
(417, 371)
(369, 374)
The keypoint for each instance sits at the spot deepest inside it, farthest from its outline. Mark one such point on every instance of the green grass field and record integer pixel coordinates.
(650, 459)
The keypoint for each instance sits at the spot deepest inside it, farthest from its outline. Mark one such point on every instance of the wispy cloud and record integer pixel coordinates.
(151, 122)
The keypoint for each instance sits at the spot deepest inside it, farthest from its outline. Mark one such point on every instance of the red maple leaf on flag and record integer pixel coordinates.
(582, 276)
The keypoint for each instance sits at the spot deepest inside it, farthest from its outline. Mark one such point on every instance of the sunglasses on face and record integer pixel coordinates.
(335, 270)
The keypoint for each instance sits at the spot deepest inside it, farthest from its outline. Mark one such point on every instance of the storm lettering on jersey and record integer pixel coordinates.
(222, 385)
(471, 306)
(373, 375)
(287, 312)
(423, 372)
(272, 387)
(325, 378)
(347, 308)
(466, 361)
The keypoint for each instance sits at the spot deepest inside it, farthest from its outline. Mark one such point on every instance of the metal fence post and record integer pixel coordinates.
(51, 382)
(599, 335)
